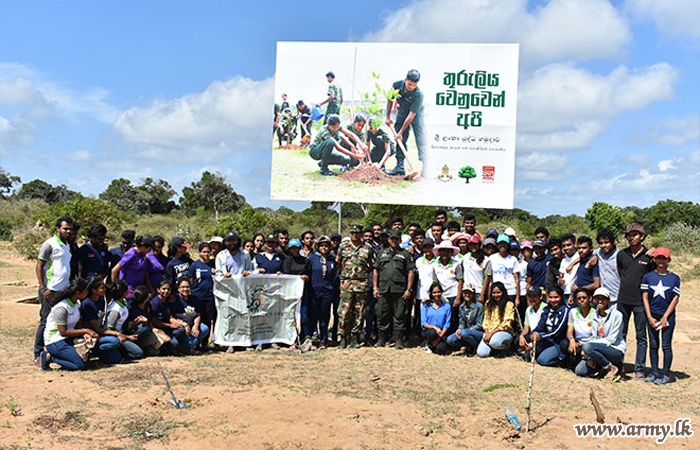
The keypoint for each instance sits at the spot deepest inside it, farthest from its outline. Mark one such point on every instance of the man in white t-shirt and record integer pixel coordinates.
(53, 274)
(567, 277)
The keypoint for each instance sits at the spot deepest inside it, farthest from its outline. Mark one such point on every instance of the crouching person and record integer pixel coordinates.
(60, 328)
(551, 330)
(606, 350)
(471, 317)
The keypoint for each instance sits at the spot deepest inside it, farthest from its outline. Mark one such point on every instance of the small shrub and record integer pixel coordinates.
(27, 244)
(5, 230)
(682, 238)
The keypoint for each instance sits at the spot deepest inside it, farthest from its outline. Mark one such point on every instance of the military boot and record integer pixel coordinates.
(343, 342)
(399, 342)
(355, 341)
(398, 170)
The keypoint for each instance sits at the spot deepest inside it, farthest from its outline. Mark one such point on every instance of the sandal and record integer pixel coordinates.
(612, 378)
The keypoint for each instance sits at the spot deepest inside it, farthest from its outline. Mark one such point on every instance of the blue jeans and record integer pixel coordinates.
(307, 313)
(666, 337)
(500, 340)
(640, 330)
(549, 353)
(108, 349)
(43, 314)
(181, 339)
(322, 304)
(469, 338)
(601, 354)
(63, 354)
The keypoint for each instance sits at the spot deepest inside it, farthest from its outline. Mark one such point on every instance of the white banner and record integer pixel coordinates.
(257, 309)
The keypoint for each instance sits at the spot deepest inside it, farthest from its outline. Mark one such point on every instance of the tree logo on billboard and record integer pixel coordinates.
(467, 172)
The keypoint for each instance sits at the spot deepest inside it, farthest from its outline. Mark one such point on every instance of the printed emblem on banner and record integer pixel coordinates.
(488, 174)
(255, 300)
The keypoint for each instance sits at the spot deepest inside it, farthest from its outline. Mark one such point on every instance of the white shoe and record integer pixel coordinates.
(428, 351)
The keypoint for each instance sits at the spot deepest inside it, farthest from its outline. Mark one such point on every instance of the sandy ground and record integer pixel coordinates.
(331, 399)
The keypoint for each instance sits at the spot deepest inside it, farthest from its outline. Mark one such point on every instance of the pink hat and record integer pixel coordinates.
(526, 244)
(662, 251)
(445, 244)
(474, 239)
(459, 236)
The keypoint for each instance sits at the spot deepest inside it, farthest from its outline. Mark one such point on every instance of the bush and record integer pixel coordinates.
(682, 238)
(27, 244)
(86, 211)
(5, 230)
(21, 213)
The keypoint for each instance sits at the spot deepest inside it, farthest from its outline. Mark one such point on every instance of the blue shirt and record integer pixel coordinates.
(320, 282)
(202, 274)
(436, 317)
(94, 261)
(177, 268)
(537, 270)
(661, 289)
(271, 266)
(92, 310)
(585, 275)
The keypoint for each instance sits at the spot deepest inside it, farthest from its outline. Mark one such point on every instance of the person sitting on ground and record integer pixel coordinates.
(499, 322)
(435, 320)
(551, 330)
(661, 290)
(140, 318)
(326, 148)
(93, 309)
(471, 318)
(116, 317)
(532, 318)
(606, 350)
(579, 330)
(382, 146)
(64, 315)
(187, 309)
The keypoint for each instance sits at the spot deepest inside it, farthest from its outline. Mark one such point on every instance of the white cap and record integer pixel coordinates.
(602, 292)
(216, 239)
(509, 232)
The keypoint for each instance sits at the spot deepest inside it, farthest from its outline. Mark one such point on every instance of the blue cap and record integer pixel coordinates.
(294, 243)
(492, 231)
(515, 244)
(503, 238)
(336, 235)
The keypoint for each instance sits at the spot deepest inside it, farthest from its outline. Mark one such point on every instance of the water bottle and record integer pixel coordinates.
(512, 418)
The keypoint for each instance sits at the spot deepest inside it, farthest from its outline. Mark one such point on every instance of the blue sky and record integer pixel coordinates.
(609, 100)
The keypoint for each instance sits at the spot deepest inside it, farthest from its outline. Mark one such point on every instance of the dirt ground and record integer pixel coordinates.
(330, 399)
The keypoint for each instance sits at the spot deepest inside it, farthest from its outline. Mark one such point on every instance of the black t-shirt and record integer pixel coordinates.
(632, 271)
(135, 311)
(92, 310)
(296, 266)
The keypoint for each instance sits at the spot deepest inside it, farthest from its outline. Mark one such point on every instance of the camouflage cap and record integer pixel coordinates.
(356, 228)
(394, 234)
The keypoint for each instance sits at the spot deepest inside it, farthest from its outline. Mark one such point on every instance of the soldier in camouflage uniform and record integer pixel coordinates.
(335, 97)
(353, 137)
(326, 148)
(355, 261)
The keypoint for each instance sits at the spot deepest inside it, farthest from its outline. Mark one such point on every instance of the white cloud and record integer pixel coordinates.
(228, 114)
(677, 18)
(670, 131)
(561, 106)
(559, 29)
(77, 156)
(542, 167)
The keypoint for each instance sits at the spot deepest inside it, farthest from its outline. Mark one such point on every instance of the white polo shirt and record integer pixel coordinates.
(57, 256)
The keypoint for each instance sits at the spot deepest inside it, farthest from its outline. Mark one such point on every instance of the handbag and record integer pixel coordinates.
(83, 347)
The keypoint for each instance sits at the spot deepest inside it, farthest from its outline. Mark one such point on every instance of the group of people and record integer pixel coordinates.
(363, 138)
(448, 288)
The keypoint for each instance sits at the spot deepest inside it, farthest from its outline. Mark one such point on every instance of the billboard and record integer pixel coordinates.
(420, 124)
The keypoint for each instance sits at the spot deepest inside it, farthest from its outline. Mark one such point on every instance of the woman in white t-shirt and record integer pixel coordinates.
(60, 328)
(475, 267)
(579, 329)
(117, 315)
(504, 268)
(532, 318)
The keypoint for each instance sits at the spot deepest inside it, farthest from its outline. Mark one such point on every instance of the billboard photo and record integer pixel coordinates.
(395, 123)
